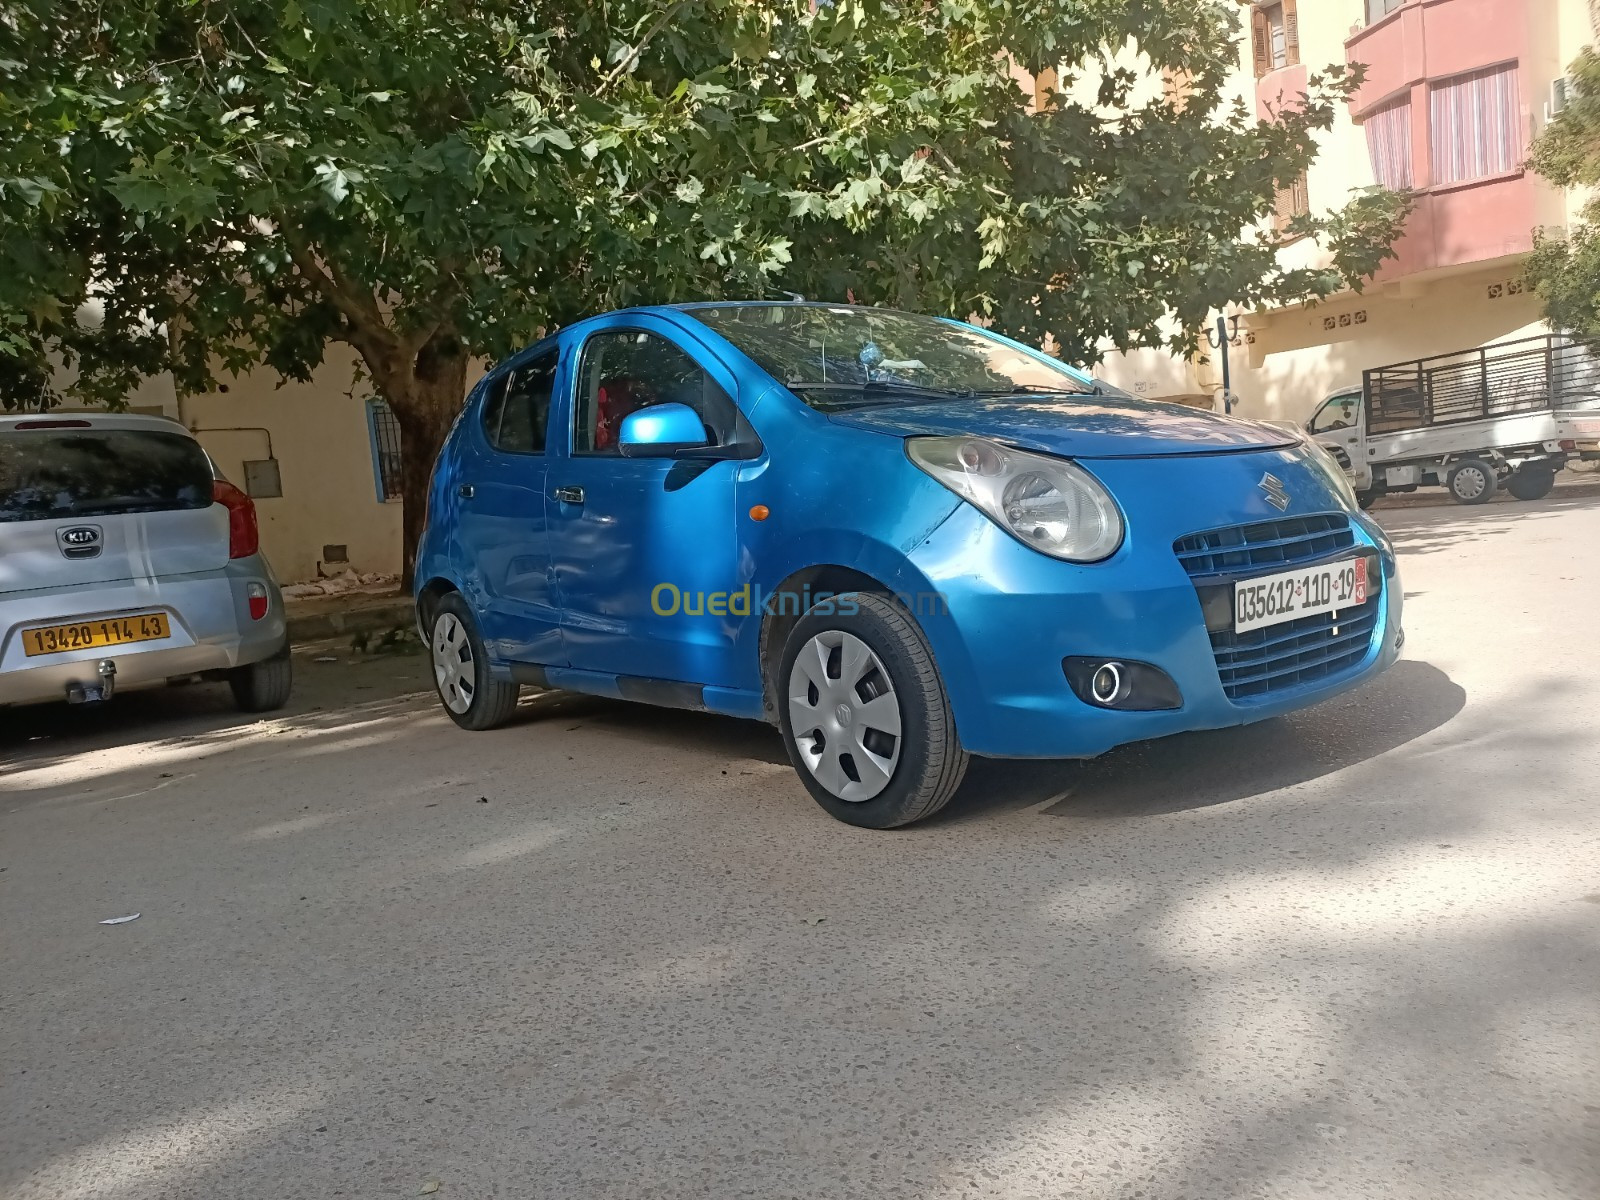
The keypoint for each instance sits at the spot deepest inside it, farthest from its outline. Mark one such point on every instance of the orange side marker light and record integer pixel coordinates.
(760, 512)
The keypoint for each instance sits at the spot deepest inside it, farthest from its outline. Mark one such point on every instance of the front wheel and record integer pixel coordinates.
(1472, 481)
(864, 714)
(474, 699)
(1531, 483)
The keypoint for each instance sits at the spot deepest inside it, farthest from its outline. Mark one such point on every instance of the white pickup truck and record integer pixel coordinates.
(1510, 414)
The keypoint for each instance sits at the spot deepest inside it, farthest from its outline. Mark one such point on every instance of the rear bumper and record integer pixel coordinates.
(209, 615)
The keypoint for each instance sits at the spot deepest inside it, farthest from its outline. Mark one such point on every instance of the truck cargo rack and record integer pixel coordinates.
(1524, 375)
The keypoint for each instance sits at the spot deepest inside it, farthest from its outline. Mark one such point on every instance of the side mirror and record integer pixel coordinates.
(660, 431)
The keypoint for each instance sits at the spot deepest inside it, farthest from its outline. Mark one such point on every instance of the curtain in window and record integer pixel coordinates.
(1474, 126)
(1389, 143)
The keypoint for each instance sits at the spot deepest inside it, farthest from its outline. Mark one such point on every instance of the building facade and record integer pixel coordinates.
(1454, 93)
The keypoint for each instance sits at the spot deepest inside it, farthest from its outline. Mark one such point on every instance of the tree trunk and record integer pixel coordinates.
(425, 396)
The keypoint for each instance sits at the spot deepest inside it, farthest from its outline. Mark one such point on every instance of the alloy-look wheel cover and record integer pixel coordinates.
(844, 715)
(453, 666)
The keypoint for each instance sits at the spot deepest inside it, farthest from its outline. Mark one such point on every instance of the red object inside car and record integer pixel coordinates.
(616, 398)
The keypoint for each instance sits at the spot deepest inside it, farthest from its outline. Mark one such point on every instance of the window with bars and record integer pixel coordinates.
(1290, 202)
(1274, 35)
(1474, 125)
(1388, 130)
(384, 431)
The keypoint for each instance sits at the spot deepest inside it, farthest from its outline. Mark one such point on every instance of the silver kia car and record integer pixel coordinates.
(127, 561)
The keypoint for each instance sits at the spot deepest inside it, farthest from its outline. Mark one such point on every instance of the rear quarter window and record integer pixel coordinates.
(67, 473)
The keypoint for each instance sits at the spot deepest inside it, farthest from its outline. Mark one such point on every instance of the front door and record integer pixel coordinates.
(1337, 425)
(504, 516)
(645, 549)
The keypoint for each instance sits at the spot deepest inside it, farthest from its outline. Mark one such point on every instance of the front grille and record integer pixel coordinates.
(1262, 662)
(1279, 543)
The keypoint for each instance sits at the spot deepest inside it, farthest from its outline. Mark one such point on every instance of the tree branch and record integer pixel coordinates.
(632, 55)
(356, 304)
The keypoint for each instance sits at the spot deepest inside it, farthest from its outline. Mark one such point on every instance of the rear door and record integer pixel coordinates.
(83, 504)
(502, 519)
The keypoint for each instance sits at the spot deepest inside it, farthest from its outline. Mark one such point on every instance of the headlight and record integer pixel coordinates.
(1047, 503)
(1321, 457)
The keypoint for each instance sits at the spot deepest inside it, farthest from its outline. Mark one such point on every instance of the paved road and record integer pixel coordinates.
(616, 952)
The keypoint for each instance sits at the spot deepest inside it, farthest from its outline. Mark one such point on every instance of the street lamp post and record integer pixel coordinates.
(1226, 332)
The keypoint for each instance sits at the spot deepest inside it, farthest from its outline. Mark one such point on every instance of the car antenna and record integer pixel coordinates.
(794, 297)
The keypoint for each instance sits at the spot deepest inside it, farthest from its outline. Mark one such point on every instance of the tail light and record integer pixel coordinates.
(257, 592)
(244, 539)
(1568, 445)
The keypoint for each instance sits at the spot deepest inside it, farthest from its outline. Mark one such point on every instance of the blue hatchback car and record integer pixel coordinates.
(902, 540)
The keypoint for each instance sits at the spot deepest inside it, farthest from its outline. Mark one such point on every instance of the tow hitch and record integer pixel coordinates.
(95, 693)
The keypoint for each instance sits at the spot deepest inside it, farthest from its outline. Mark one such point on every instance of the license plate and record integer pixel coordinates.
(86, 635)
(1289, 595)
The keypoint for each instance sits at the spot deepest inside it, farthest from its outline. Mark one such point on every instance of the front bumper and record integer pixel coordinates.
(208, 612)
(1002, 617)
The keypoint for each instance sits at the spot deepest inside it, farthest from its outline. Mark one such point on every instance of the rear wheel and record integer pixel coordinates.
(263, 686)
(1472, 481)
(474, 699)
(1531, 483)
(1367, 497)
(864, 714)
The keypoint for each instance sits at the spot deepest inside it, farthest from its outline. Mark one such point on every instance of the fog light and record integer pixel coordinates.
(1121, 684)
(1106, 682)
(258, 600)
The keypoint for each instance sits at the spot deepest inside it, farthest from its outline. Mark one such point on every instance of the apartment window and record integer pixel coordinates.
(1274, 36)
(1475, 125)
(1378, 9)
(384, 432)
(1389, 143)
(1290, 202)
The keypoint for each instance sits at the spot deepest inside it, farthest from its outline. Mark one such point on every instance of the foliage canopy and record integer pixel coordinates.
(228, 184)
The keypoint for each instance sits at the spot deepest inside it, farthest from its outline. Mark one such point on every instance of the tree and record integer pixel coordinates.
(1565, 271)
(433, 181)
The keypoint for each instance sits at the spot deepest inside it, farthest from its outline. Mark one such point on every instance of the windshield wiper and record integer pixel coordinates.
(1039, 389)
(892, 387)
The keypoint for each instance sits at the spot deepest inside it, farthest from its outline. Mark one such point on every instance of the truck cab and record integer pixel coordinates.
(1339, 426)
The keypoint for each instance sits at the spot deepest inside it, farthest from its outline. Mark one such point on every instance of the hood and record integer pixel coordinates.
(1074, 426)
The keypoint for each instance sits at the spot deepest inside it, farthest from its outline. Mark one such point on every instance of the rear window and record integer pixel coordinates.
(64, 473)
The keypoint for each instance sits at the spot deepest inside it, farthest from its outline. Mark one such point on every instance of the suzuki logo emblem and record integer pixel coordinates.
(79, 541)
(1272, 487)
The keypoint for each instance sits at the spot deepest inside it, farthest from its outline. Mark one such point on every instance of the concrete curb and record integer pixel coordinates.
(324, 617)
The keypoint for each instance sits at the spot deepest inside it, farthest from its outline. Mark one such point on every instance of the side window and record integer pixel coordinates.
(518, 411)
(626, 370)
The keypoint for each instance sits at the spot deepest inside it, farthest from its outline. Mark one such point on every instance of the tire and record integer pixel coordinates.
(1531, 483)
(1367, 497)
(1472, 481)
(470, 695)
(263, 686)
(863, 644)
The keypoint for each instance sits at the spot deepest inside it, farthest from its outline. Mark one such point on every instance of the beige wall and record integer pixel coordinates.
(318, 432)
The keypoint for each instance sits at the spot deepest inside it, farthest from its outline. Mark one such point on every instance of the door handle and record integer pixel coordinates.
(569, 495)
(466, 491)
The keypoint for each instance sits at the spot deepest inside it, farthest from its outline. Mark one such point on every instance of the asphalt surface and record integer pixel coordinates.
(614, 951)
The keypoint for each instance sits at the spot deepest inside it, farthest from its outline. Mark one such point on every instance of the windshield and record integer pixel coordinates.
(1338, 413)
(835, 357)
